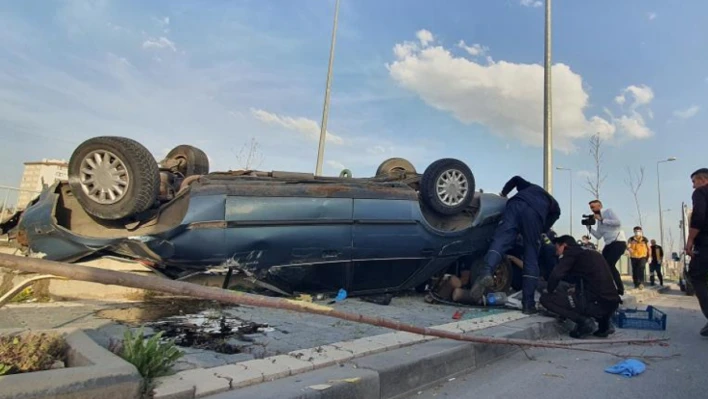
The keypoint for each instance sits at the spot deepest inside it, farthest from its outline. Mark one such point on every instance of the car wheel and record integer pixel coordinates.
(395, 165)
(447, 186)
(194, 162)
(113, 177)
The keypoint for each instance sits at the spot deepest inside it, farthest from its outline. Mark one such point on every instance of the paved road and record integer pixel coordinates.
(577, 375)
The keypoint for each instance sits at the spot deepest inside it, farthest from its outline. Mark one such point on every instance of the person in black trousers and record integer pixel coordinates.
(657, 258)
(697, 242)
(595, 295)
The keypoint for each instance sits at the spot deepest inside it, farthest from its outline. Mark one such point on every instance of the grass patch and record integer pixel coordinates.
(30, 352)
(153, 357)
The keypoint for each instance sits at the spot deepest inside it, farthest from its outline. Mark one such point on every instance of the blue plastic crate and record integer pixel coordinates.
(649, 319)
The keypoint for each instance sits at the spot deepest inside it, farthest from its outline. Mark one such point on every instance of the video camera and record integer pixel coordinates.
(588, 220)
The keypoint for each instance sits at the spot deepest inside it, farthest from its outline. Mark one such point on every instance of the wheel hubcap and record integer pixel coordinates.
(452, 187)
(104, 177)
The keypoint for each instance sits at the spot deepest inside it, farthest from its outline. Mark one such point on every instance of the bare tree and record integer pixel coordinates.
(671, 241)
(250, 156)
(594, 182)
(634, 182)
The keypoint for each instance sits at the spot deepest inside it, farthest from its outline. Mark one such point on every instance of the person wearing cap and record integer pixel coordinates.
(638, 247)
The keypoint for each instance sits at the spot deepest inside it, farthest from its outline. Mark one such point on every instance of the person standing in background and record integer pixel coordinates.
(657, 258)
(609, 228)
(587, 244)
(697, 242)
(638, 247)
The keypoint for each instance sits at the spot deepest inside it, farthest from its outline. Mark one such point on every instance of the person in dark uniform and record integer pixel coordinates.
(657, 257)
(697, 242)
(531, 212)
(595, 295)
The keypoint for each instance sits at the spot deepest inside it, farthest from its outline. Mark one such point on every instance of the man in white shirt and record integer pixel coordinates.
(609, 228)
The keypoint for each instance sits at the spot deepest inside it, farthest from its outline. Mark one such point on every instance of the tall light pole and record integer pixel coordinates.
(570, 177)
(325, 110)
(547, 109)
(658, 188)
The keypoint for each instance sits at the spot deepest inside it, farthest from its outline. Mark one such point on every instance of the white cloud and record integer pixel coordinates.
(307, 127)
(473, 50)
(335, 165)
(641, 95)
(651, 16)
(425, 37)
(161, 42)
(531, 3)
(376, 150)
(584, 174)
(687, 113)
(507, 97)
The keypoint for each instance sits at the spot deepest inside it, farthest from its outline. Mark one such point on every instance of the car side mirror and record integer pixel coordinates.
(675, 256)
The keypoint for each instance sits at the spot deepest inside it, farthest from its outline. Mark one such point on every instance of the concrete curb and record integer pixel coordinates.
(402, 371)
(636, 297)
(203, 382)
(92, 372)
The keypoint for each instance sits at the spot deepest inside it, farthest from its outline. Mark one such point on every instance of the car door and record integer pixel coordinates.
(301, 243)
(389, 244)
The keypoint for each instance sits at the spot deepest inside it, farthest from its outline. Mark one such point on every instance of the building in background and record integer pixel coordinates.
(39, 174)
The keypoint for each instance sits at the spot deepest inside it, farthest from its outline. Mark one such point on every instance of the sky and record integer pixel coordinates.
(416, 79)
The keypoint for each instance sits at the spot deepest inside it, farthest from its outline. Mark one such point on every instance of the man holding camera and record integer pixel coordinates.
(594, 295)
(609, 228)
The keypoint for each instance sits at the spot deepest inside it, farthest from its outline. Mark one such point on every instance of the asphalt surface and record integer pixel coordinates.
(578, 375)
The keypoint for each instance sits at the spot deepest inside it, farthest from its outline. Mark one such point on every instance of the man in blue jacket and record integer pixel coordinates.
(531, 212)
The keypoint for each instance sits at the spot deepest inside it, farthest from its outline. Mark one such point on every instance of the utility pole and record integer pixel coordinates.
(547, 109)
(325, 110)
(570, 176)
(658, 191)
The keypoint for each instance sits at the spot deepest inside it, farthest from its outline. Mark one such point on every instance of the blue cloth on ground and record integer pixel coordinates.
(628, 368)
(341, 295)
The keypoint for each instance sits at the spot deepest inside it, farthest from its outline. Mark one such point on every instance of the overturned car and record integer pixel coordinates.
(288, 231)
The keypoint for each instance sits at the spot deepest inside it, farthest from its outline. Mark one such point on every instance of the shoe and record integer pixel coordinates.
(480, 285)
(604, 334)
(529, 310)
(583, 329)
(704, 330)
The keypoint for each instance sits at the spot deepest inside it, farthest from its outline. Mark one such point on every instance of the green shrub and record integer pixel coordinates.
(150, 356)
(30, 352)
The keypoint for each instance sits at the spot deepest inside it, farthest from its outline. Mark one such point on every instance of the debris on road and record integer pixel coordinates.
(627, 368)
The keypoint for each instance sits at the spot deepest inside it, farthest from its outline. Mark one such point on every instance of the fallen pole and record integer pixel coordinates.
(111, 277)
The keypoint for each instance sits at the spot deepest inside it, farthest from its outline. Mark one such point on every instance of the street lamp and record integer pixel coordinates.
(658, 188)
(328, 85)
(570, 177)
(547, 108)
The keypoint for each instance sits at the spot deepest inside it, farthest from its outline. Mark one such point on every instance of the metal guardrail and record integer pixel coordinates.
(8, 200)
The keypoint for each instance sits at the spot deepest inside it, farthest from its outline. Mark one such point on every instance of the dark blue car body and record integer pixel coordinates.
(318, 234)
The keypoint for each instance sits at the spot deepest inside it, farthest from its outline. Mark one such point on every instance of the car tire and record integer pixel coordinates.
(129, 184)
(196, 162)
(395, 165)
(447, 186)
